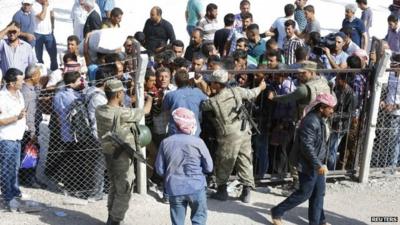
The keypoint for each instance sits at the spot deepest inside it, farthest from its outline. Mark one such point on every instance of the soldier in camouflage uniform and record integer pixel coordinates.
(234, 144)
(120, 170)
(310, 86)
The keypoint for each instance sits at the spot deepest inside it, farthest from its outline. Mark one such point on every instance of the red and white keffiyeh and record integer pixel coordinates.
(185, 120)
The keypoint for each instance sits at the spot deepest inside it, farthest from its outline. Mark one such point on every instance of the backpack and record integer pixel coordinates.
(80, 124)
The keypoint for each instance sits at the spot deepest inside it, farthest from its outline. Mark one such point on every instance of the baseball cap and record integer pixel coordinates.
(114, 85)
(308, 66)
(219, 76)
(340, 34)
(30, 2)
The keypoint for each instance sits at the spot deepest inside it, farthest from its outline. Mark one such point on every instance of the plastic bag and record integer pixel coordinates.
(107, 41)
(30, 156)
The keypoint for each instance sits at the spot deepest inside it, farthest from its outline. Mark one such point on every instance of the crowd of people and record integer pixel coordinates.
(208, 115)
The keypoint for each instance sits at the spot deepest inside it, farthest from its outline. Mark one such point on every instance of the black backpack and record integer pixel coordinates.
(80, 124)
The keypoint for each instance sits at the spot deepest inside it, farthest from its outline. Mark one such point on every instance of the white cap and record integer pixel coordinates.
(30, 2)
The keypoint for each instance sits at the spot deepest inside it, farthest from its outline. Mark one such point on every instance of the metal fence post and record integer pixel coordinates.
(142, 60)
(373, 116)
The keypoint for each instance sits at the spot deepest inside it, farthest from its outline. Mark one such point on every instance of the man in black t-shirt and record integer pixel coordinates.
(221, 35)
(195, 44)
(157, 30)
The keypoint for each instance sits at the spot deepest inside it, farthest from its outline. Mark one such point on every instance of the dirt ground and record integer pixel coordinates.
(346, 203)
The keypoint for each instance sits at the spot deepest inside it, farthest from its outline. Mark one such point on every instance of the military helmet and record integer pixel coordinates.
(308, 66)
(219, 76)
(144, 135)
(114, 85)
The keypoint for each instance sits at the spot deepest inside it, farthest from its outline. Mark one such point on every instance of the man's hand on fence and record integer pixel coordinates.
(382, 105)
(390, 107)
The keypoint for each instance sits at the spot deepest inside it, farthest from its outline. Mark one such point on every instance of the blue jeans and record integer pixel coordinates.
(197, 203)
(10, 154)
(51, 46)
(312, 188)
(261, 153)
(334, 142)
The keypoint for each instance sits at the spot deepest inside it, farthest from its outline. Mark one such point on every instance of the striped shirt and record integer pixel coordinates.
(289, 49)
(209, 28)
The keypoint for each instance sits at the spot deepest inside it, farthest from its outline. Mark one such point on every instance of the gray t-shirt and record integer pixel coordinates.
(312, 26)
(366, 17)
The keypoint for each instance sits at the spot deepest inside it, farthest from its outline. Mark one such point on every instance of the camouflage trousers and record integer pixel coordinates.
(121, 175)
(234, 152)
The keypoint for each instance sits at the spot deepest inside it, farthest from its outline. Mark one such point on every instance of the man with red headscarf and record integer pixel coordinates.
(182, 160)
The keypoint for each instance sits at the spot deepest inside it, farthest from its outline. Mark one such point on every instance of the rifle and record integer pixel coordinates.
(123, 146)
(245, 116)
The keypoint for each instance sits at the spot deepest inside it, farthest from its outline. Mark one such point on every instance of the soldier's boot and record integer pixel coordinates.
(221, 194)
(245, 196)
(110, 221)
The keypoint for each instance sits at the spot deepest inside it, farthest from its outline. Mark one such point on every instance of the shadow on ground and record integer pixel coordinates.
(49, 216)
(260, 213)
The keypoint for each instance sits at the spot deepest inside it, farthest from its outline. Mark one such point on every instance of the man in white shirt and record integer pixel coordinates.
(12, 128)
(44, 28)
(209, 24)
(278, 27)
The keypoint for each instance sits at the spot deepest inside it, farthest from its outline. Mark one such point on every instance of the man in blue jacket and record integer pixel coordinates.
(182, 160)
(312, 137)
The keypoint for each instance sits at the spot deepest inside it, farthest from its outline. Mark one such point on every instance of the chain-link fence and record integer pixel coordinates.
(60, 150)
(70, 158)
(277, 122)
(385, 155)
